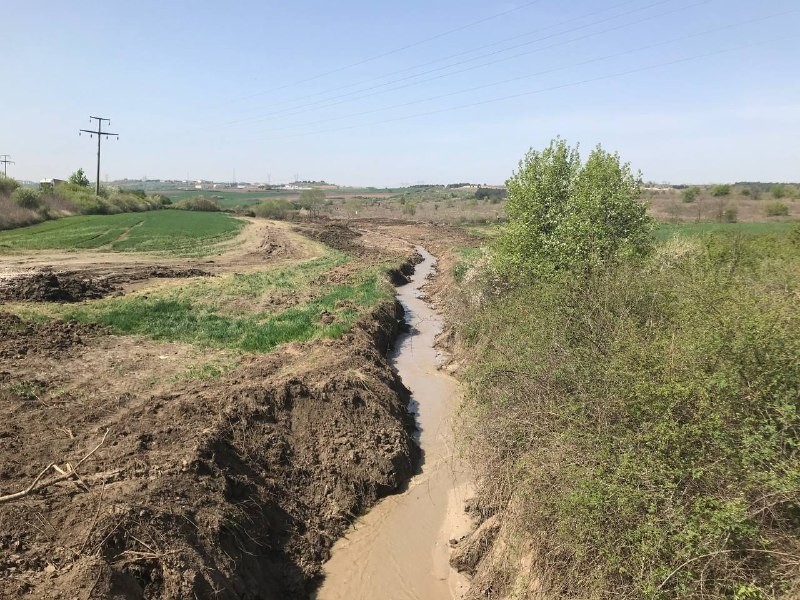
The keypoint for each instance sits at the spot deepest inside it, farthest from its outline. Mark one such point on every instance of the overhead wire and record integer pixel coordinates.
(581, 82)
(546, 71)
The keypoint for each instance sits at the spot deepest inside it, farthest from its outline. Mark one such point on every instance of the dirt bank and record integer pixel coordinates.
(209, 489)
(226, 486)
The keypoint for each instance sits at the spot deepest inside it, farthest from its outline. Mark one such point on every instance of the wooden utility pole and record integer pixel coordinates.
(4, 160)
(99, 133)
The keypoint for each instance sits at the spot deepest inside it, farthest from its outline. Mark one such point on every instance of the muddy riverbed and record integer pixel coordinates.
(400, 549)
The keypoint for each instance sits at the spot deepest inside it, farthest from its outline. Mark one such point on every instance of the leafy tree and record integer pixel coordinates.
(690, 194)
(79, 178)
(565, 215)
(312, 200)
(721, 190)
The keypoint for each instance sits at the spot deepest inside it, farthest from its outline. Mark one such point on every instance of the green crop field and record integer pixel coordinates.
(182, 233)
(665, 231)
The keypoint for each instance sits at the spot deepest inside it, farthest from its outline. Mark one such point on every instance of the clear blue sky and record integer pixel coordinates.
(198, 89)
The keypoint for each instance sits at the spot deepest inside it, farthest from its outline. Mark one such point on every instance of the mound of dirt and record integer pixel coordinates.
(229, 489)
(161, 272)
(19, 338)
(47, 286)
(335, 234)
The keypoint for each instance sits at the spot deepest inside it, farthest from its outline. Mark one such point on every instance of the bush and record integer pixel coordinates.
(730, 215)
(690, 194)
(27, 198)
(7, 185)
(777, 209)
(567, 215)
(273, 209)
(639, 427)
(79, 179)
(778, 191)
(85, 199)
(721, 190)
(199, 203)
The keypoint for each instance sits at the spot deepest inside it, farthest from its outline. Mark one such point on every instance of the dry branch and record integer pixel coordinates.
(64, 475)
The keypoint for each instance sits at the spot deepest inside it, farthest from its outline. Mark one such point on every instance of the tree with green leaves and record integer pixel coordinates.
(79, 178)
(312, 201)
(567, 215)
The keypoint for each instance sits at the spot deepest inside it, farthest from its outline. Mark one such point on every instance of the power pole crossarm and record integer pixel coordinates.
(99, 133)
(5, 162)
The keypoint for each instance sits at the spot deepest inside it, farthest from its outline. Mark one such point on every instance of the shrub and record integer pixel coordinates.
(690, 194)
(567, 215)
(7, 185)
(639, 427)
(730, 215)
(79, 179)
(778, 191)
(27, 198)
(13, 215)
(721, 190)
(777, 209)
(199, 203)
(273, 209)
(85, 199)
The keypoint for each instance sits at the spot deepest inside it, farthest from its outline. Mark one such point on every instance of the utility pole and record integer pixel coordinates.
(99, 133)
(6, 162)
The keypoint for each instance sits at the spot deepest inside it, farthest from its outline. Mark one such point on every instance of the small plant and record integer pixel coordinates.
(7, 185)
(730, 215)
(690, 194)
(721, 190)
(79, 178)
(199, 203)
(27, 198)
(777, 209)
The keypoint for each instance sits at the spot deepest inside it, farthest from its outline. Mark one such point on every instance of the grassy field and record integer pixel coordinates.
(180, 233)
(252, 312)
(665, 231)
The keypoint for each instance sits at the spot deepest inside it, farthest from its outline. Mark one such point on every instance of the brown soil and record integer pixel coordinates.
(233, 487)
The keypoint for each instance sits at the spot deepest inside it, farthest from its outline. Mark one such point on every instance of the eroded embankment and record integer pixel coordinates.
(235, 488)
(230, 488)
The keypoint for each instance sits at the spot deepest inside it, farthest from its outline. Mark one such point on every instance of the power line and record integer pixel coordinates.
(4, 160)
(390, 52)
(475, 58)
(99, 133)
(546, 71)
(472, 50)
(542, 90)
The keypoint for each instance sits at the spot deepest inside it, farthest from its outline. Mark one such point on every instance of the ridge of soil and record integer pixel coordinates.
(73, 286)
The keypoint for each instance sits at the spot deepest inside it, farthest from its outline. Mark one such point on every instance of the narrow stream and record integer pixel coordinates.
(400, 550)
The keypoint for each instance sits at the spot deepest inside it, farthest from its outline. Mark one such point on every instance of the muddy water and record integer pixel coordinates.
(400, 549)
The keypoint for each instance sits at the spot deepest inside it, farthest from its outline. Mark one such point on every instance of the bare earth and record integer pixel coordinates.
(234, 487)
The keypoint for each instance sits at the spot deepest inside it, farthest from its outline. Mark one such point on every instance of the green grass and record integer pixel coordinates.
(167, 231)
(234, 311)
(664, 231)
(193, 321)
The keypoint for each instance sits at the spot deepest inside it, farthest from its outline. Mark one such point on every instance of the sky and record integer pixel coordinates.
(385, 94)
